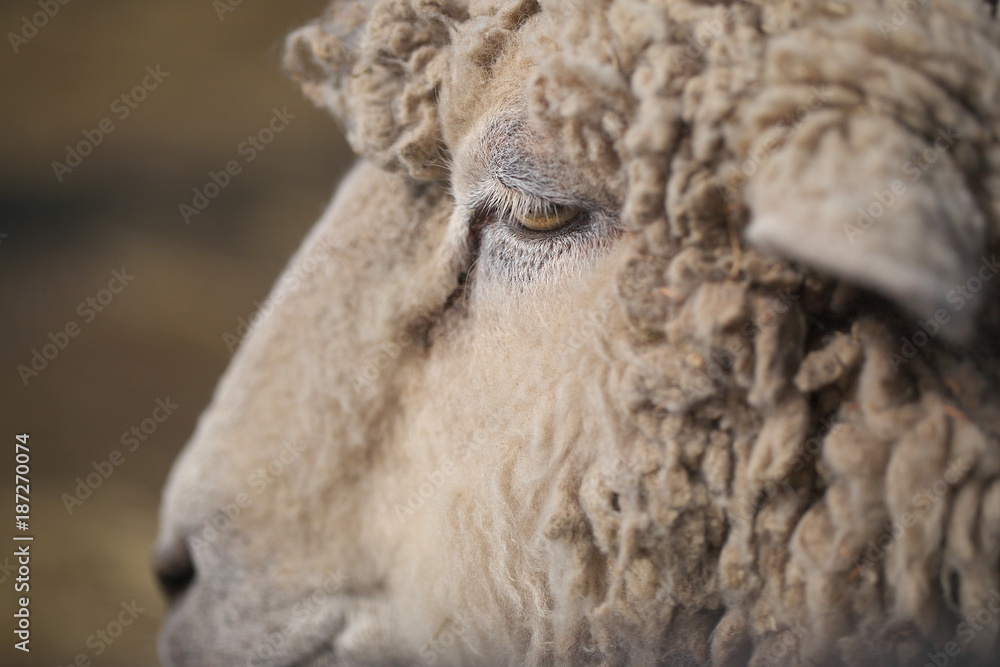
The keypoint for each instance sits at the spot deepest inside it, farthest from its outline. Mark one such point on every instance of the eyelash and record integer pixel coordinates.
(511, 206)
(506, 249)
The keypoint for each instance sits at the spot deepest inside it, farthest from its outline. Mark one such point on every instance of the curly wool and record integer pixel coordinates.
(381, 67)
(781, 427)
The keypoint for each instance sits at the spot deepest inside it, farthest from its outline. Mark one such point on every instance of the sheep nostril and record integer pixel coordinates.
(174, 570)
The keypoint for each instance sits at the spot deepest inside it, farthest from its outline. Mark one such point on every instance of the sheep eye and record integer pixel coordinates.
(550, 218)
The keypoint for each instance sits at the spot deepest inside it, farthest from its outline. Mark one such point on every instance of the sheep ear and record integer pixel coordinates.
(321, 55)
(379, 68)
(877, 206)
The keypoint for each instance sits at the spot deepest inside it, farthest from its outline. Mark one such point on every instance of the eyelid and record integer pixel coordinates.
(551, 218)
(528, 211)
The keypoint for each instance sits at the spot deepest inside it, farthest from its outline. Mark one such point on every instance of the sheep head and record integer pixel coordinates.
(596, 357)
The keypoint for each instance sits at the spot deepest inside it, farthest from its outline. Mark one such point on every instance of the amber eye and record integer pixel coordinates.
(550, 218)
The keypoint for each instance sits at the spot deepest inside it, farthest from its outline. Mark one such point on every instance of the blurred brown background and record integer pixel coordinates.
(162, 336)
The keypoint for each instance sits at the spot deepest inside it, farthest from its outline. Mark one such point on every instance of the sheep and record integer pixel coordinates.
(641, 333)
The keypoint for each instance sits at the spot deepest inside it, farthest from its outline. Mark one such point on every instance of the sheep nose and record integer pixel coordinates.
(174, 569)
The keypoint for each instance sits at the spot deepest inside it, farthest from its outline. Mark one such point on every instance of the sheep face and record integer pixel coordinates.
(373, 479)
(527, 393)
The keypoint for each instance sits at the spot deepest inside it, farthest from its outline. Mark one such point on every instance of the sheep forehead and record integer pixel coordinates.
(487, 76)
(505, 144)
(503, 147)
